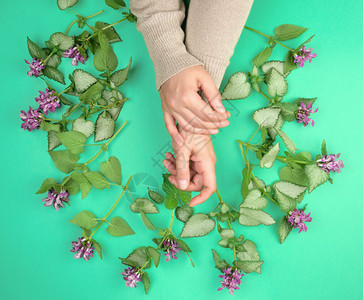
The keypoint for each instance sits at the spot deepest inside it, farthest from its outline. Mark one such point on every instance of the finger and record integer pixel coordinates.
(195, 127)
(205, 112)
(197, 183)
(171, 128)
(211, 92)
(169, 166)
(182, 167)
(210, 186)
(170, 157)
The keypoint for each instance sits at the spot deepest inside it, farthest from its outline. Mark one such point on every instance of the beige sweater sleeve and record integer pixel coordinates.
(212, 32)
(160, 21)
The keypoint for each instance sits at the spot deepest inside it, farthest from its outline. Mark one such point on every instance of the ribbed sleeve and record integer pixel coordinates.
(160, 23)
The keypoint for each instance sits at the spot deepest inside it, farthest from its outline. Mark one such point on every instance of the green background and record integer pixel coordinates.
(324, 263)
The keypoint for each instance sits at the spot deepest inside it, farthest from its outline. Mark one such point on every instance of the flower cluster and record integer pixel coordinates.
(171, 248)
(48, 101)
(84, 249)
(76, 54)
(56, 199)
(36, 67)
(297, 217)
(330, 163)
(132, 276)
(31, 119)
(303, 56)
(231, 278)
(302, 115)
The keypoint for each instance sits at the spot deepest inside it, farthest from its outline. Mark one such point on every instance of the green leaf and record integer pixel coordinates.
(277, 65)
(183, 245)
(110, 32)
(254, 200)
(72, 186)
(288, 110)
(307, 41)
(105, 127)
(112, 169)
(173, 194)
(183, 213)
(289, 64)
(47, 185)
(83, 80)
(316, 176)
(64, 160)
(268, 159)
(109, 98)
(253, 184)
(53, 73)
(296, 176)
(120, 76)
(71, 109)
(287, 32)
(289, 189)
(266, 117)
(155, 255)
(156, 197)
(93, 94)
(323, 148)
(248, 266)
(252, 217)
(144, 204)
(83, 182)
(86, 127)
(272, 132)
(250, 252)
(97, 247)
(198, 225)
(284, 229)
(246, 179)
(145, 279)
(53, 141)
(34, 50)
(260, 58)
(85, 219)
(54, 61)
(115, 4)
(64, 4)
(46, 126)
(104, 57)
(146, 221)
(97, 180)
(305, 101)
(286, 203)
(137, 258)
(290, 145)
(226, 233)
(237, 87)
(219, 263)
(119, 227)
(276, 84)
(61, 40)
(73, 141)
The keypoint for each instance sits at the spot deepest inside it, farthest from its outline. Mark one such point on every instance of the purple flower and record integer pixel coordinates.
(36, 67)
(297, 217)
(56, 198)
(303, 56)
(76, 54)
(132, 276)
(171, 248)
(330, 163)
(31, 119)
(302, 115)
(84, 249)
(48, 101)
(231, 278)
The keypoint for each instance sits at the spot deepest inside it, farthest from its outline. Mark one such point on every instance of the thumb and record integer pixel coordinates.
(182, 156)
(212, 93)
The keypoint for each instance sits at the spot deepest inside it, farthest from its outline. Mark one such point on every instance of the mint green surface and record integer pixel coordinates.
(324, 263)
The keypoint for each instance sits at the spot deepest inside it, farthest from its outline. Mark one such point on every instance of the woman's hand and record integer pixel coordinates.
(193, 167)
(182, 103)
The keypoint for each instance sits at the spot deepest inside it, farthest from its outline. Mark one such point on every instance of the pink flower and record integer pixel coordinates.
(231, 278)
(48, 101)
(330, 163)
(76, 54)
(303, 56)
(31, 119)
(297, 217)
(302, 115)
(36, 67)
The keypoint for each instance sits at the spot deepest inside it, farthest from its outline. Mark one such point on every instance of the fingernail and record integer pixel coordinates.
(224, 123)
(179, 141)
(182, 184)
(165, 163)
(213, 131)
(221, 109)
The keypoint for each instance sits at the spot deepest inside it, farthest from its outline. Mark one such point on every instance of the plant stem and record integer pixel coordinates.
(108, 142)
(104, 219)
(68, 88)
(234, 246)
(222, 202)
(70, 25)
(50, 54)
(106, 27)
(267, 97)
(171, 221)
(253, 135)
(262, 190)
